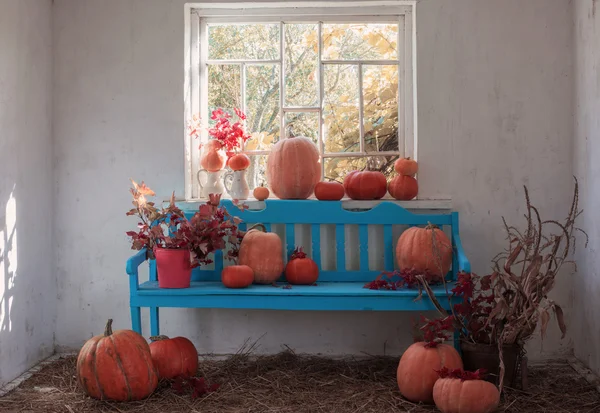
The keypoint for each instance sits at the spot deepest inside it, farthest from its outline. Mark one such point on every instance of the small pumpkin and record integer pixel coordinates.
(365, 185)
(301, 270)
(463, 392)
(260, 193)
(116, 366)
(213, 156)
(239, 162)
(174, 356)
(425, 250)
(417, 370)
(237, 276)
(293, 168)
(329, 191)
(263, 252)
(406, 166)
(403, 187)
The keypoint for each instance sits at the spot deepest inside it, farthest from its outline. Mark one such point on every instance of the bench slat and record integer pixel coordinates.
(290, 239)
(316, 243)
(388, 248)
(363, 243)
(340, 248)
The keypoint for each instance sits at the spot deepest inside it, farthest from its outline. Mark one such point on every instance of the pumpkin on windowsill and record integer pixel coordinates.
(260, 193)
(365, 185)
(329, 191)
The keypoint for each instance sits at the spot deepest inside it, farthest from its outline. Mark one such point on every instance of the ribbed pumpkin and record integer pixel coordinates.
(174, 356)
(293, 168)
(425, 249)
(239, 162)
(300, 269)
(403, 188)
(263, 252)
(406, 166)
(455, 395)
(213, 157)
(116, 366)
(237, 276)
(365, 185)
(329, 191)
(417, 370)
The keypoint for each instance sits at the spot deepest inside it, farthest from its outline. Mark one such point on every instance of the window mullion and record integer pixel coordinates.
(321, 96)
(281, 81)
(361, 104)
(243, 95)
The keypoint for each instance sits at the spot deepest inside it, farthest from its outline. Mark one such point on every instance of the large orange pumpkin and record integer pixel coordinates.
(174, 356)
(406, 166)
(237, 276)
(329, 191)
(116, 366)
(365, 185)
(455, 395)
(263, 252)
(425, 250)
(213, 156)
(403, 188)
(293, 168)
(417, 370)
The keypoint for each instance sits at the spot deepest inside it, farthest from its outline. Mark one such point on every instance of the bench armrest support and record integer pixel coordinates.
(461, 257)
(132, 268)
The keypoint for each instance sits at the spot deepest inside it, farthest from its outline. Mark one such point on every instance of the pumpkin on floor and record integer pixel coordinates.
(417, 370)
(403, 188)
(174, 356)
(239, 162)
(116, 366)
(263, 252)
(237, 276)
(260, 193)
(213, 157)
(427, 250)
(365, 185)
(457, 391)
(301, 270)
(406, 166)
(329, 191)
(293, 168)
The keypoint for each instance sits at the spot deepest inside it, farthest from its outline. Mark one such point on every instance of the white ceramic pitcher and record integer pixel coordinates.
(213, 183)
(238, 189)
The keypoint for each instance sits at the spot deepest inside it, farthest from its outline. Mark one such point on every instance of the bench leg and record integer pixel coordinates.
(136, 319)
(154, 322)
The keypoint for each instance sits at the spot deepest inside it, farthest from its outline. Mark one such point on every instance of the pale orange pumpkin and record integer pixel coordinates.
(263, 252)
(455, 395)
(213, 156)
(239, 162)
(403, 187)
(425, 250)
(406, 166)
(293, 168)
(260, 193)
(417, 370)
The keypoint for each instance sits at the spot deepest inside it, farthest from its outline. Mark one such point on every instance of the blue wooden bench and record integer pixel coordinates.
(336, 290)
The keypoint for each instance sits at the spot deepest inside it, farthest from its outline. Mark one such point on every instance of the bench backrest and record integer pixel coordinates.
(364, 240)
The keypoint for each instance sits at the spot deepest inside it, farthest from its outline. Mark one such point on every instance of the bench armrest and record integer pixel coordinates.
(461, 257)
(132, 268)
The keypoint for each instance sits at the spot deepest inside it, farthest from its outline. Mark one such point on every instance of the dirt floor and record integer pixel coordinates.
(295, 384)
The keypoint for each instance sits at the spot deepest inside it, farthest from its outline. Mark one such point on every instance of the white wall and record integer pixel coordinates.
(586, 155)
(495, 90)
(27, 282)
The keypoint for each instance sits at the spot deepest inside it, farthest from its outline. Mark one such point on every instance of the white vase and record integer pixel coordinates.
(238, 189)
(213, 184)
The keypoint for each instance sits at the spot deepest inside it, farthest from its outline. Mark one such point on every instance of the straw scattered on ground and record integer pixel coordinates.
(292, 383)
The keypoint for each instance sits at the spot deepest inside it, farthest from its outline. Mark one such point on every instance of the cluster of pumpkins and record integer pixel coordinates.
(419, 381)
(121, 366)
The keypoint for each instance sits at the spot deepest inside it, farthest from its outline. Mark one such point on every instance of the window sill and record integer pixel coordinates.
(418, 204)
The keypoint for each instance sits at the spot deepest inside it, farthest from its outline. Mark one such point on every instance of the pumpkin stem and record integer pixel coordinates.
(260, 226)
(431, 226)
(108, 329)
(159, 338)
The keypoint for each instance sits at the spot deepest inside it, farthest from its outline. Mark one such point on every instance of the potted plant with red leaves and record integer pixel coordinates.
(458, 391)
(416, 373)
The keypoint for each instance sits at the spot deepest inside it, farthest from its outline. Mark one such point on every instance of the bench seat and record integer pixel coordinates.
(326, 296)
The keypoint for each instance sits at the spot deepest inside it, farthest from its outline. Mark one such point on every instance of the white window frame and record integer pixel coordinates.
(196, 44)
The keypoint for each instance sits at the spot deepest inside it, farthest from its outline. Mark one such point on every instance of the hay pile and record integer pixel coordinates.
(291, 383)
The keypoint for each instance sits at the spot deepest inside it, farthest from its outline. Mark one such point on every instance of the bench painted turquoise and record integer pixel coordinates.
(337, 290)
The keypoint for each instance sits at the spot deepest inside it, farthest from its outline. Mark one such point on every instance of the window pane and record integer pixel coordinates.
(243, 41)
(380, 94)
(262, 106)
(337, 168)
(360, 41)
(340, 114)
(256, 174)
(302, 124)
(301, 61)
(224, 88)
